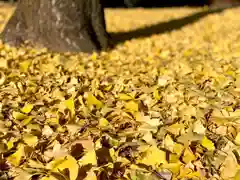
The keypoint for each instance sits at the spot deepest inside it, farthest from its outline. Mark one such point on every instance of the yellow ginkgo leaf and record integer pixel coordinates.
(124, 97)
(103, 122)
(132, 106)
(237, 176)
(173, 158)
(156, 94)
(35, 164)
(175, 128)
(58, 94)
(199, 128)
(89, 158)
(3, 63)
(53, 121)
(92, 100)
(55, 163)
(237, 139)
(149, 138)
(25, 65)
(100, 94)
(188, 156)
(48, 68)
(194, 174)
(10, 143)
(173, 167)
(169, 143)
(80, 68)
(27, 108)
(27, 120)
(108, 87)
(184, 172)
(19, 116)
(69, 103)
(236, 113)
(30, 140)
(229, 167)
(207, 143)
(16, 157)
(91, 176)
(67, 162)
(153, 157)
(34, 127)
(178, 148)
(94, 56)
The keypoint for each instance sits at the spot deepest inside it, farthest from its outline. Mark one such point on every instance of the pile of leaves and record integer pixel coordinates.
(165, 106)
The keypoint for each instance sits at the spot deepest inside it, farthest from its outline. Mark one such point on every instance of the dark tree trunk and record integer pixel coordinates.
(59, 25)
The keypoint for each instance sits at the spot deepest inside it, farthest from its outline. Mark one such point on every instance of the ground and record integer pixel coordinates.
(163, 104)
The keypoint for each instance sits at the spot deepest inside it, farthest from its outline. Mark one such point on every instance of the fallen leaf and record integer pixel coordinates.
(124, 97)
(229, 168)
(207, 143)
(25, 65)
(237, 139)
(132, 106)
(27, 108)
(30, 140)
(92, 100)
(199, 128)
(153, 157)
(188, 156)
(70, 105)
(89, 158)
(19, 116)
(67, 162)
(15, 158)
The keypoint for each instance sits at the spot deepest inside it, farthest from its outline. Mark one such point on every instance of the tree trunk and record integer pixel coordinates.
(59, 25)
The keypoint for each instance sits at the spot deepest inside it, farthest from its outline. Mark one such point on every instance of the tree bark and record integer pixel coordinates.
(59, 25)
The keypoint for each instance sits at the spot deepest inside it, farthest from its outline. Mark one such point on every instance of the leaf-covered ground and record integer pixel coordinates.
(161, 106)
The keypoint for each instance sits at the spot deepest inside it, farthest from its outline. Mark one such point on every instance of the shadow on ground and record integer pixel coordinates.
(163, 27)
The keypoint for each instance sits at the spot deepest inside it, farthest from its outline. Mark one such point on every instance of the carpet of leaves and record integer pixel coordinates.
(165, 106)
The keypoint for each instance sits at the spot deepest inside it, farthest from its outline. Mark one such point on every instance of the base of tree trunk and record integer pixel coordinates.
(58, 25)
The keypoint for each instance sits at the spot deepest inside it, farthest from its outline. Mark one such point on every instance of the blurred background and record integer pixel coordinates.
(154, 3)
(166, 3)
(161, 3)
